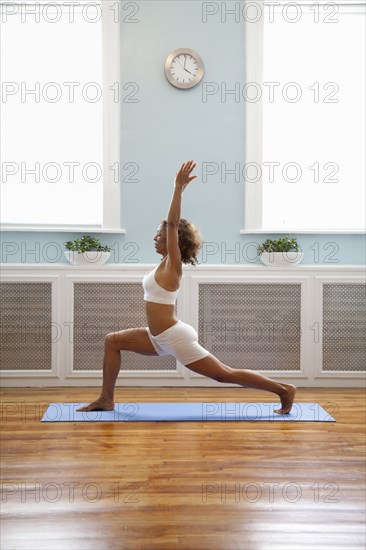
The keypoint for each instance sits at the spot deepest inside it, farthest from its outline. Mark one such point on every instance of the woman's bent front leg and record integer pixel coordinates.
(136, 340)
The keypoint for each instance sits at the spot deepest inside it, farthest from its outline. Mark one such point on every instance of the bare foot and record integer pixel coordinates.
(287, 399)
(101, 404)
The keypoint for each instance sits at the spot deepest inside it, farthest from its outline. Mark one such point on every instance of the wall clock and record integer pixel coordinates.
(184, 68)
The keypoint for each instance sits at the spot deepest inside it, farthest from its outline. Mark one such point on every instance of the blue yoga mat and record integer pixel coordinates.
(187, 412)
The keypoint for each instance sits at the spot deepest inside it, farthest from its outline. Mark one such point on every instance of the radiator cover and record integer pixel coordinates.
(344, 327)
(26, 329)
(254, 326)
(101, 308)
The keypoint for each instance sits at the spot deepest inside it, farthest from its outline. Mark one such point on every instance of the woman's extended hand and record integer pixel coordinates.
(183, 177)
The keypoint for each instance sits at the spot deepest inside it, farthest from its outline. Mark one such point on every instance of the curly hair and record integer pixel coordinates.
(189, 240)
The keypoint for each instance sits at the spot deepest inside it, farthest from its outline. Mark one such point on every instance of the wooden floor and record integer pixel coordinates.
(191, 485)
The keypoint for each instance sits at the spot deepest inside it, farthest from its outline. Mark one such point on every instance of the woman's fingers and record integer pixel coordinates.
(188, 163)
(183, 177)
(188, 166)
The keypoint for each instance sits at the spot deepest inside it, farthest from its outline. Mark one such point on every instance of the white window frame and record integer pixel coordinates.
(111, 60)
(254, 37)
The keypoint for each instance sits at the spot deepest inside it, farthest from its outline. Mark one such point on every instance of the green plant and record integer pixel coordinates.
(285, 244)
(86, 244)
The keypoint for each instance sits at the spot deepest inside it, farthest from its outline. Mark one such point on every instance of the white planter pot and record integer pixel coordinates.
(87, 258)
(281, 259)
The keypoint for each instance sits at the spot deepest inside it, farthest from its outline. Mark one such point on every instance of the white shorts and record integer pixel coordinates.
(181, 341)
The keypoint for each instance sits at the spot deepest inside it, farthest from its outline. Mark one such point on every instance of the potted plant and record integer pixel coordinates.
(87, 251)
(283, 252)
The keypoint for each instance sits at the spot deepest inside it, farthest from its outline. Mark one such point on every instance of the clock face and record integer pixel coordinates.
(184, 68)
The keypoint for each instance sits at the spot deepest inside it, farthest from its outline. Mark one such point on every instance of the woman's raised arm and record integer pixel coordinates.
(182, 179)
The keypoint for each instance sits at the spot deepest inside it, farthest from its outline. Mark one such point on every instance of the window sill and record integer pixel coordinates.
(303, 231)
(60, 229)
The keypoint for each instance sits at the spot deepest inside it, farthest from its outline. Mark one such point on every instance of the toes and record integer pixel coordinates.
(86, 408)
(95, 407)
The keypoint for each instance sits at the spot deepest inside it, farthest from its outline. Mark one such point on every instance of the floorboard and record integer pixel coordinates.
(189, 485)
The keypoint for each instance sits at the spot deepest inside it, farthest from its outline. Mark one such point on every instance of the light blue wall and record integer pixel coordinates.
(167, 126)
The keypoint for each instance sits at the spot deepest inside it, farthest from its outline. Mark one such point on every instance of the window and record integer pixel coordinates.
(60, 132)
(306, 162)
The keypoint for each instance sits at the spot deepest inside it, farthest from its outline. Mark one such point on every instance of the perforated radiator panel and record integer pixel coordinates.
(254, 326)
(101, 308)
(26, 330)
(344, 327)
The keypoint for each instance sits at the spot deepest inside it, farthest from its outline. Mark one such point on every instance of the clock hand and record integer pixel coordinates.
(184, 68)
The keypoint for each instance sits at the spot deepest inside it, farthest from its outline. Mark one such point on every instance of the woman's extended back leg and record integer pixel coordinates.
(213, 368)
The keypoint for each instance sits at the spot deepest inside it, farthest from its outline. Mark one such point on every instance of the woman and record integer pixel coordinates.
(178, 242)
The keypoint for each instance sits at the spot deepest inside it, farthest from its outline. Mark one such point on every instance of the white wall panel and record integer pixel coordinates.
(302, 324)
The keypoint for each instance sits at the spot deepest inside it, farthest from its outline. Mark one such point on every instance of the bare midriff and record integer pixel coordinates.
(160, 317)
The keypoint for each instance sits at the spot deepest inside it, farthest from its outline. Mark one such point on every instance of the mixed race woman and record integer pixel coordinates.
(178, 241)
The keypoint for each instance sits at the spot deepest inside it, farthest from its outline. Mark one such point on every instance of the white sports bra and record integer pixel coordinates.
(155, 293)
